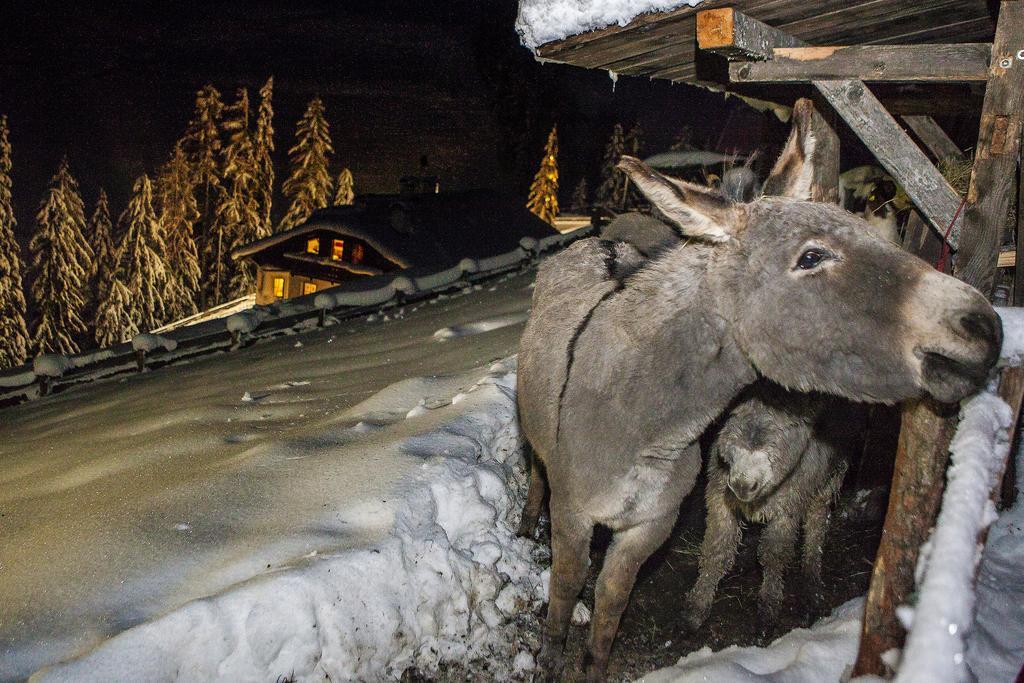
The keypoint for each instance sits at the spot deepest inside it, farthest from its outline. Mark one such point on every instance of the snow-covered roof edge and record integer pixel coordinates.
(545, 21)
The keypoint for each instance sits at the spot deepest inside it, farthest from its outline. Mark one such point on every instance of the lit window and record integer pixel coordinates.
(308, 287)
(313, 246)
(279, 287)
(357, 253)
(337, 250)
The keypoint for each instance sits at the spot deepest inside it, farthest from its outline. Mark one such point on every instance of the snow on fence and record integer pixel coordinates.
(208, 336)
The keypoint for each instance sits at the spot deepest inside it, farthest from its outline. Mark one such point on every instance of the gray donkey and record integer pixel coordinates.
(621, 370)
(772, 462)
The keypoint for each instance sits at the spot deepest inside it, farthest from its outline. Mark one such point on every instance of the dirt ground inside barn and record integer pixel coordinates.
(652, 635)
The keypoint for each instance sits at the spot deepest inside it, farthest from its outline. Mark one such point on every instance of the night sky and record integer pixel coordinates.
(113, 88)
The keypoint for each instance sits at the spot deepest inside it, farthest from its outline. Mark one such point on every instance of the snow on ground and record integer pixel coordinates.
(542, 21)
(480, 327)
(239, 539)
(820, 653)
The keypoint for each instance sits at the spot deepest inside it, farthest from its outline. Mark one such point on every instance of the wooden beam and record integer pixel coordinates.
(897, 153)
(734, 35)
(933, 137)
(996, 154)
(908, 63)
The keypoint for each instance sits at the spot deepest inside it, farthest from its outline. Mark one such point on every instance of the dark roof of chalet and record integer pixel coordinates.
(423, 230)
(663, 44)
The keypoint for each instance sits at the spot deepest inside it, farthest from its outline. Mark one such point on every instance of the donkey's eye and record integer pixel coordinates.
(811, 258)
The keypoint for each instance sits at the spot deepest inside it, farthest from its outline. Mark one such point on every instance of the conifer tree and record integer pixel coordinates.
(609, 192)
(178, 212)
(633, 145)
(309, 185)
(580, 198)
(61, 264)
(345, 193)
(263, 147)
(114, 322)
(238, 219)
(202, 145)
(100, 232)
(14, 339)
(141, 268)
(543, 199)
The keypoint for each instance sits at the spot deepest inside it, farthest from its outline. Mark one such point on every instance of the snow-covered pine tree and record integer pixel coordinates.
(141, 267)
(309, 184)
(609, 192)
(543, 199)
(178, 211)
(263, 147)
(580, 198)
(238, 211)
(346, 193)
(104, 253)
(633, 145)
(114, 322)
(202, 145)
(14, 340)
(61, 265)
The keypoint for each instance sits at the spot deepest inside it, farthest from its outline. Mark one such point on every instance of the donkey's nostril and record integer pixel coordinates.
(980, 325)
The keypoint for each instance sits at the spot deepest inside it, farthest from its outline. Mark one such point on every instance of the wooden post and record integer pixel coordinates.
(996, 154)
(918, 476)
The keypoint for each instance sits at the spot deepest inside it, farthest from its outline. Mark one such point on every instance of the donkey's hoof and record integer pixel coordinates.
(526, 528)
(550, 661)
(694, 614)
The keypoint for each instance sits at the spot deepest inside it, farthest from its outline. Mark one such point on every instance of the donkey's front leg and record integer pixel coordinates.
(717, 554)
(816, 524)
(775, 552)
(570, 555)
(630, 548)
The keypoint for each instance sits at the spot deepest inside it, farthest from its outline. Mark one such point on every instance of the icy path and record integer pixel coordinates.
(124, 500)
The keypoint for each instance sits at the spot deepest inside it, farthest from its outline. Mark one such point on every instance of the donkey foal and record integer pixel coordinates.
(769, 464)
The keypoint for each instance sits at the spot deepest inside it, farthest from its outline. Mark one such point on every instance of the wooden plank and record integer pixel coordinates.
(933, 137)
(907, 63)
(996, 154)
(897, 153)
(919, 472)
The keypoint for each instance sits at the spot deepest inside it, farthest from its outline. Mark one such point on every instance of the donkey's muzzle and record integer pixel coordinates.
(953, 375)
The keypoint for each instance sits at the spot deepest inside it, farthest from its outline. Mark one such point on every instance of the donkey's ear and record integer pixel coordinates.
(793, 171)
(698, 211)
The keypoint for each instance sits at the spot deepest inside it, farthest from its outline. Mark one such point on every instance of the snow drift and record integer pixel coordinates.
(443, 585)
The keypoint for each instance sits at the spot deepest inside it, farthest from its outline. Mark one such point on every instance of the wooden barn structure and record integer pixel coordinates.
(924, 58)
